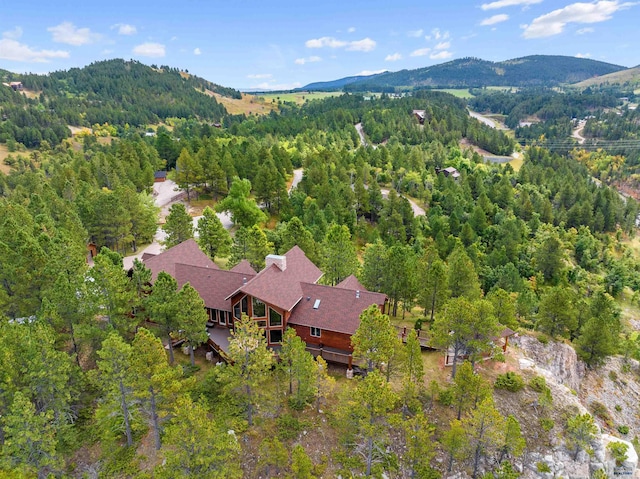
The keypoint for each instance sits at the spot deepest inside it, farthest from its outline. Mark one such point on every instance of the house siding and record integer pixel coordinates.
(328, 339)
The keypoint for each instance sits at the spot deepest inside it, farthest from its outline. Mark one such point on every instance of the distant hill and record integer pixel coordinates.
(536, 70)
(630, 76)
(116, 92)
(127, 92)
(337, 84)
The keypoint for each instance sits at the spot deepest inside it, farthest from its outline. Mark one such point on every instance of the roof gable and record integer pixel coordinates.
(213, 285)
(244, 267)
(186, 252)
(282, 288)
(338, 309)
(352, 283)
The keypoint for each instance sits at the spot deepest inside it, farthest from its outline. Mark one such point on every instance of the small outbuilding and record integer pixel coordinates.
(159, 176)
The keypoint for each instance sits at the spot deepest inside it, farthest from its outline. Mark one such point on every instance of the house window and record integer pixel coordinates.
(275, 336)
(259, 310)
(223, 317)
(275, 318)
(262, 323)
(241, 307)
(315, 332)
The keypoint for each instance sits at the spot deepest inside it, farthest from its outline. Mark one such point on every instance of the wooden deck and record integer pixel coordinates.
(423, 338)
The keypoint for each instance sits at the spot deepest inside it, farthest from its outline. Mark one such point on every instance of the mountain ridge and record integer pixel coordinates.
(469, 72)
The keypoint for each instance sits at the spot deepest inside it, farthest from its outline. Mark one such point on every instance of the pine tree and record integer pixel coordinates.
(250, 362)
(250, 244)
(163, 307)
(156, 384)
(375, 339)
(179, 225)
(413, 372)
(485, 428)
(213, 239)
(191, 318)
(196, 446)
(339, 254)
(300, 369)
(115, 380)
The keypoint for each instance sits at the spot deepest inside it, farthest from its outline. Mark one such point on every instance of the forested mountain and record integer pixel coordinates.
(336, 84)
(535, 70)
(624, 78)
(116, 92)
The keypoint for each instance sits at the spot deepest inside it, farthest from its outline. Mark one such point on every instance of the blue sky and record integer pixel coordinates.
(284, 44)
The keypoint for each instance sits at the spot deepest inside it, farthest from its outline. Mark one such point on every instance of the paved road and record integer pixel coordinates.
(297, 178)
(417, 210)
(577, 132)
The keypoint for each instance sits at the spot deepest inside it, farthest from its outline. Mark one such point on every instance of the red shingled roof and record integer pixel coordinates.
(283, 288)
(352, 283)
(186, 252)
(213, 285)
(244, 267)
(339, 309)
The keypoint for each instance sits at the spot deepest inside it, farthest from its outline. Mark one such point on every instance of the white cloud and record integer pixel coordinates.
(583, 55)
(151, 50)
(106, 52)
(508, 3)
(67, 33)
(442, 46)
(415, 33)
(13, 34)
(421, 52)
(436, 34)
(322, 42)
(364, 45)
(351, 29)
(13, 50)
(311, 59)
(585, 30)
(197, 51)
(494, 19)
(124, 29)
(553, 23)
(257, 76)
(441, 55)
(393, 57)
(366, 73)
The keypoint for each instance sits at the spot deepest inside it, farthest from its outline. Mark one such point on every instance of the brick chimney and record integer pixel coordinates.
(279, 261)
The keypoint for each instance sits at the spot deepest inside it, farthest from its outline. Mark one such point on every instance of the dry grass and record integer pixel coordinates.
(248, 105)
(4, 152)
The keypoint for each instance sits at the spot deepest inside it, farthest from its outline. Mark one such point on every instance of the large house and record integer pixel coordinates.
(285, 293)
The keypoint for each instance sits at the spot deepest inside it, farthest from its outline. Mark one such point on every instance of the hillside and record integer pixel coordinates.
(337, 84)
(630, 76)
(116, 92)
(536, 70)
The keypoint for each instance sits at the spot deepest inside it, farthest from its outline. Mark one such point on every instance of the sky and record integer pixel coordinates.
(283, 44)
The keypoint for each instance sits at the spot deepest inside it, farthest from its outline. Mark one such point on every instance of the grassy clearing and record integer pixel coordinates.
(248, 105)
(298, 97)
(457, 92)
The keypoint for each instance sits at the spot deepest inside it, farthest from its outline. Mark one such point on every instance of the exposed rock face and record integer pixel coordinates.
(557, 358)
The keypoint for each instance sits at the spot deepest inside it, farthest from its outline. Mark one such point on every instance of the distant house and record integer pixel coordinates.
(16, 85)
(285, 293)
(501, 342)
(420, 115)
(150, 134)
(159, 176)
(450, 171)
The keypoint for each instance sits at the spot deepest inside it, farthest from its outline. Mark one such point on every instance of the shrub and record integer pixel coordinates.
(418, 324)
(543, 467)
(445, 397)
(289, 427)
(600, 411)
(619, 451)
(613, 376)
(544, 339)
(618, 408)
(538, 383)
(510, 381)
(623, 430)
(546, 424)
